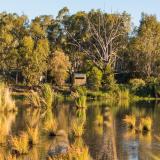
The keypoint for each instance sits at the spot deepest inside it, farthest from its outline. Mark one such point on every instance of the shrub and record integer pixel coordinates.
(94, 78)
(108, 81)
(20, 144)
(136, 84)
(59, 66)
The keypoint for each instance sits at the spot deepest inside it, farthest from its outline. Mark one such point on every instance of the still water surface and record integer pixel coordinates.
(112, 138)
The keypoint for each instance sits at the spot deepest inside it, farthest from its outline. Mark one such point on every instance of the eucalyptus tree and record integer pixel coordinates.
(35, 50)
(144, 48)
(99, 35)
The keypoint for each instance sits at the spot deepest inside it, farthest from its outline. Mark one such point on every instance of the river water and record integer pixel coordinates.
(112, 137)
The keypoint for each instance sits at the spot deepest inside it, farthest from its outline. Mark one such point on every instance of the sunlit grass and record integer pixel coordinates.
(34, 99)
(50, 127)
(145, 124)
(130, 120)
(6, 101)
(33, 134)
(99, 120)
(20, 144)
(77, 128)
(47, 95)
(81, 101)
(6, 121)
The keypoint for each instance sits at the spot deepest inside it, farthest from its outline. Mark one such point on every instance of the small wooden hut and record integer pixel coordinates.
(79, 79)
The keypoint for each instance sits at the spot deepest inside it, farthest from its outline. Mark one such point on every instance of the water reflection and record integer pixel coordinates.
(110, 139)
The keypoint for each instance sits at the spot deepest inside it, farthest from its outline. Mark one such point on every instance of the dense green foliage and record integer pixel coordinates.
(99, 44)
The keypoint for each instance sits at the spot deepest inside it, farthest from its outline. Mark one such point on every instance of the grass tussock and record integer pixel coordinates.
(34, 99)
(47, 94)
(74, 153)
(81, 102)
(7, 103)
(99, 120)
(123, 94)
(130, 120)
(50, 127)
(20, 144)
(77, 128)
(33, 134)
(145, 124)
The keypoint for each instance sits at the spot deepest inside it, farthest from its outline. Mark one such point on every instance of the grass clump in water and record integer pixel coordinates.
(99, 120)
(145, 124)
(50, 123)
(47, 94)
(34, 99)
(50, 127)
(20, 144)
(130, 120)
(77, 128)
(33, 135)
(7, 103)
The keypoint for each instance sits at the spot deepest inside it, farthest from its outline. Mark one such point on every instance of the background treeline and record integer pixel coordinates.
(99, 44)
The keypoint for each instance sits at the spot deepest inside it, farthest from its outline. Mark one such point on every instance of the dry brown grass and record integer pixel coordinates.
(77, 128)
(7, 103)
(34, 99)
(130, 120)
(50, 127)
(20, 144)
(33, 134)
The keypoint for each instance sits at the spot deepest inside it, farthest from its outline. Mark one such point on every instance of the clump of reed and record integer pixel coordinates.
(81, 102)
(77, 128)
(33, 134)
(41, 98)
(34, 99)
(99, 120)
(145, 124)
(20, 144)
(130, 120)
(123, 94)
(7, 103)
(47, 94)
(50, 127)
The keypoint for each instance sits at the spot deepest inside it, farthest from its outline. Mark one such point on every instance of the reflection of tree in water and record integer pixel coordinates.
(108, 148)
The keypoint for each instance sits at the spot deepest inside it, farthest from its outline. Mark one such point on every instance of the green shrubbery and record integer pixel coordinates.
(108, 81)
(148, 88)
(94, 79)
